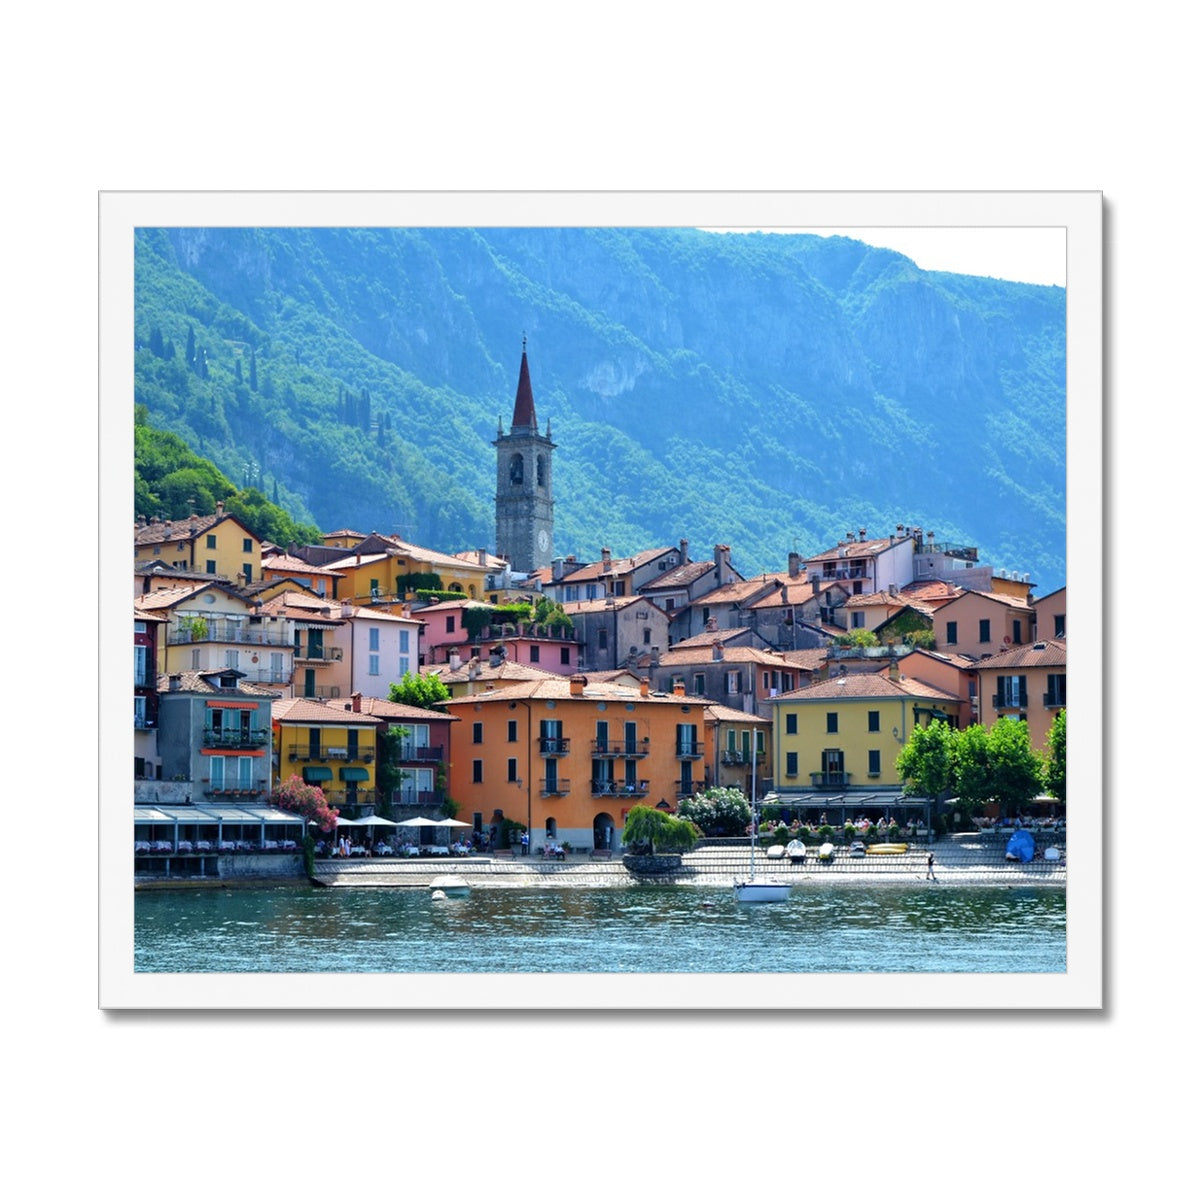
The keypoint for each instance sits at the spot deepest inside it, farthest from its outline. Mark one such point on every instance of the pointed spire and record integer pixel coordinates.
(524, 415)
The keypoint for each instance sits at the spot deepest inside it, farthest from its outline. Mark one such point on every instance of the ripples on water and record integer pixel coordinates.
(617, 930)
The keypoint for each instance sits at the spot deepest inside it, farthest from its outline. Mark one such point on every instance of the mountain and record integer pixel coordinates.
(770, 392)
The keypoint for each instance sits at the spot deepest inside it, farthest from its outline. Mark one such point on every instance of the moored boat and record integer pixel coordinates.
(888, 848)
(450, 885)
(755, 890)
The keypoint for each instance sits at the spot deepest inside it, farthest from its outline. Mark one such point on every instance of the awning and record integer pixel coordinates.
(316, 774)
(355, 773)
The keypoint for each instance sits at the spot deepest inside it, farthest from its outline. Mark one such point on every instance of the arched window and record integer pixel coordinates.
(541, 470)
(516, 469)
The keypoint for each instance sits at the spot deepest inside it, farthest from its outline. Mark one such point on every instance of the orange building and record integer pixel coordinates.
(569, 758)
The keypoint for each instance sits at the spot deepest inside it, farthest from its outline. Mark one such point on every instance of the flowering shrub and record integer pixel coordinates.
(299, 797)
(718, 810)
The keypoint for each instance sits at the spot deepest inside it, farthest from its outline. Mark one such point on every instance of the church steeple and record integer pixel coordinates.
(524, 487)
(524, 415)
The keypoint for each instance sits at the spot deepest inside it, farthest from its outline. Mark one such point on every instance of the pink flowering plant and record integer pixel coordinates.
(308, 801)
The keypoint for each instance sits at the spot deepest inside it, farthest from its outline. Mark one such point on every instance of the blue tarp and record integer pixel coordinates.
(1020, 846)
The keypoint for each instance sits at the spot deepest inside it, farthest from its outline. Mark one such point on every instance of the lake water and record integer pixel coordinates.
(843, 928)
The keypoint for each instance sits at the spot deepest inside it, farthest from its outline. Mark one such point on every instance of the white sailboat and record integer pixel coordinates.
(755, 890)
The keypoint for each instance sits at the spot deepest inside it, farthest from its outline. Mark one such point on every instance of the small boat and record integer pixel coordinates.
(888, 848)
(1020, 847)
(449, 885)
(796, 850)
(825, 852)
(857, 849)
(758, 890)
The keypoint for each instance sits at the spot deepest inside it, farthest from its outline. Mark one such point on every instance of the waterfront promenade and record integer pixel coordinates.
(959, 860)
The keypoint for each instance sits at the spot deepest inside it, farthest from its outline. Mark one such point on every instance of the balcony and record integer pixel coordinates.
(236, 739)
(632, 748)
(830, 779)
(321, 692)
(684, 788)
(411, 753)
(689, 749)
(1055, 698)
(252, 791)
(202, 629)
(603, 748)
(331, 753)
(554, 747)
(554, 787)
(1010, 700)
(317, 654)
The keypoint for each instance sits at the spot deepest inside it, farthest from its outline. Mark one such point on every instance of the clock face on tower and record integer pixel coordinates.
(543, 540)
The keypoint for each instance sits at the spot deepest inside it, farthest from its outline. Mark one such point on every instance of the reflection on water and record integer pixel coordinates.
(831, 929)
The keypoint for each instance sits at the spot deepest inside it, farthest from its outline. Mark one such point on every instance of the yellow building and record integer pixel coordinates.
(331, 746)
(377, 570)
(217, 544)
(836, 741)
(569, 758)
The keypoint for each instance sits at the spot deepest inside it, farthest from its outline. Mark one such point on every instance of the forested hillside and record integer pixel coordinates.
(768, 392)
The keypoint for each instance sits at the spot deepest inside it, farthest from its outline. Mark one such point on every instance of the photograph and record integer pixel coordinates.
(635, 600)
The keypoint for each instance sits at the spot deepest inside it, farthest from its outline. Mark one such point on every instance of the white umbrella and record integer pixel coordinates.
(418, 821)
(449, 821)
(374, 820)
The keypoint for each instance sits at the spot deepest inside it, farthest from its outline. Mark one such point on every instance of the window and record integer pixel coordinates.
(790, 723)
(733, 683)
(477, 733)
(449, 624)
(646, 636)
(1056, 691)
(698, 685)
(139, 712)
(246, 546)
(872, 762)
(857, 620)
(685, 739)
(352, 743)
(405, 665)
(372, 664)
(1060, 625)
(985, 630)
(831, 722)
(477, 770)
(792, 766)
(602, 639)
(601, 736)
(247, 572)
(1016, 633)
(535, 654)
(231, 660)
(314, 743)
(872, 722)
(512, 731)
(210, 542)
(1010, 691)
(372, 639)
(512, 770)
(210, 566)
(405, 647)
(951, 633)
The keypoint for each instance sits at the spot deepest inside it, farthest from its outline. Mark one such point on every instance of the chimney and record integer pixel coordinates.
(473, 668)
(677, 689)
(482, 555)
(220, 508)
(683, 550)
(606, 559)
(894, 670)
(644, 686)
(556, 569)
(718, 652)
(356, 701)
(497, 655)
(455, 660)
(862, 535)
(654, 659)
(710, 626)
(173, 683)
(721, 557)
(794, 564)
(578, 683)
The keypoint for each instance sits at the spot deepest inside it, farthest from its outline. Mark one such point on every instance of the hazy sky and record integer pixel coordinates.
(1023, 254)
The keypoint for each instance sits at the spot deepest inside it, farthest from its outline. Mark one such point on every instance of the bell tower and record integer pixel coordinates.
(524, 492)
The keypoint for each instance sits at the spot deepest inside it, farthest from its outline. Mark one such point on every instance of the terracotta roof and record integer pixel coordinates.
(168, 597)
(873, 600)
(736, 590)
(1052, 653)
(389, 710)
(288, 563)
(578, 607)
(300, 606)
(931, 591)
(711, 637)
(676, 657)
(865, 549)
(722, 712)
(485, 671)
(806, 660)
(617, 566)
(863, 685)
(998, 597)
(792, 592)
(316, 712)
(201, 682)
(680, 576)
(558, 687)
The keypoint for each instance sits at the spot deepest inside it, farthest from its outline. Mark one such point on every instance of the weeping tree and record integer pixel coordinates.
(649, 831)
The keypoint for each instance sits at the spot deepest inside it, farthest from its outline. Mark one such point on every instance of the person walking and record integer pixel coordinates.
(929, 868)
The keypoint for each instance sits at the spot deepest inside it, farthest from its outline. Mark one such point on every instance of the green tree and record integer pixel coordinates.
(926, 761)
(972, 772)
(421, 691)
(651, 831)
(1056, 757)
(1016, 773)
